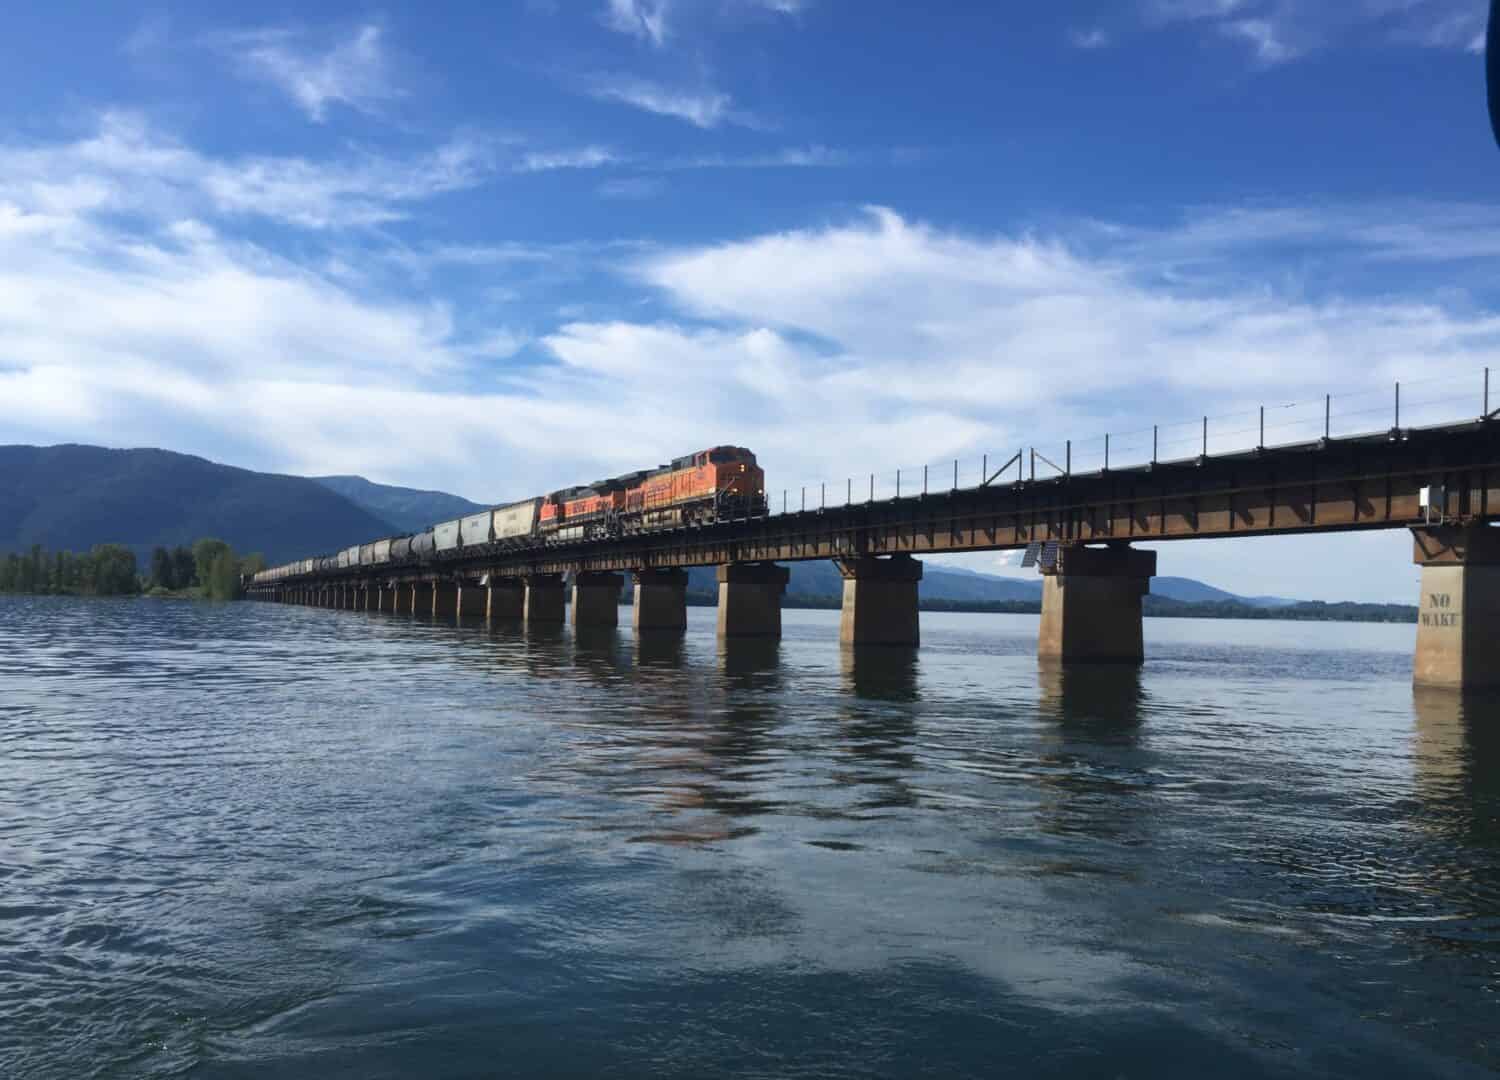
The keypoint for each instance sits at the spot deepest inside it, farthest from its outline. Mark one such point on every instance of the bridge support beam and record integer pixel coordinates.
(421, 597)
(1091, 605)
(880, 601)
(1458, 625)
(750, 599)
(505, 599)
(473, 602)
(444, 598)
(660, 601)
(544, 600)
(596, 599)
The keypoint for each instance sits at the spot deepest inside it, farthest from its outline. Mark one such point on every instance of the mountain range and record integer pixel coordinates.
(72, 497)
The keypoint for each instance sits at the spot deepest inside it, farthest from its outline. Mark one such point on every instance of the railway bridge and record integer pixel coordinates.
(1441, 482)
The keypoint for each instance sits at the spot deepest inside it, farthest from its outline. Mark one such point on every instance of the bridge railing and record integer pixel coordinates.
(1442, 399)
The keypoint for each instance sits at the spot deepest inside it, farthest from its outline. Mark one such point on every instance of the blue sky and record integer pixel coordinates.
(497, 248)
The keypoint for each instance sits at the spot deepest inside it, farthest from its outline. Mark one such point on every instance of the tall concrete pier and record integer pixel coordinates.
(880, 601)
(1458, 625)
(505, 598)
(660, 600)
(750, 599)
(596, 599)
(545, 602)
(1091, 605)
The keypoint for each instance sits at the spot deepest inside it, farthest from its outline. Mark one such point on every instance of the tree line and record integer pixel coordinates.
(209, 569)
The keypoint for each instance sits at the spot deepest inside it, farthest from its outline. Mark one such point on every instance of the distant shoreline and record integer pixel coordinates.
(1156, 607)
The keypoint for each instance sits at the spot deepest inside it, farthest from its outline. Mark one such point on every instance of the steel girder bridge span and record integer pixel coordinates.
(1440, 482)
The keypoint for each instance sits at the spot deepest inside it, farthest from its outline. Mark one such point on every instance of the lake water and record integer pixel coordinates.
(256, 840)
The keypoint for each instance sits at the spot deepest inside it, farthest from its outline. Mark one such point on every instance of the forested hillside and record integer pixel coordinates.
(73, 497)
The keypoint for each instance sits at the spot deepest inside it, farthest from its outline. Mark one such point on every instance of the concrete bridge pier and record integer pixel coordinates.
(880, 601)
(596, 599)
(545, 600)
(472, 601)
(382, 598)
(1458, 624)
(505, 598)
(444, 598)
(1091, 605)
(660, 601)
(421, 597)
(750, 599)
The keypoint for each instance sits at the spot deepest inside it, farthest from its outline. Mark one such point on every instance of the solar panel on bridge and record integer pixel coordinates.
(1049, 555)
(1033, 549)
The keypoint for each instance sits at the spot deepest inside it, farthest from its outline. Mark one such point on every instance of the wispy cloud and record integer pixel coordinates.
(632, 187)
(316, 72)
(792, 157)
(1089, 39)
(701, 108)
(645, 19)
(127, 166)
(1279, 31)
(1264, 38)
(587, 157)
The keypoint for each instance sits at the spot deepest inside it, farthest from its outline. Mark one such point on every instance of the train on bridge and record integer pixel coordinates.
(696, 489)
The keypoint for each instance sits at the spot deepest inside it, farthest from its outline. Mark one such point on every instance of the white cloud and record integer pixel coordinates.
(835, 350)
(1264, 38)
(645, 19)
(354, 71)
(701, 108)
(126, 165)
(586, 157)
(1090, 39)
(1278, 31)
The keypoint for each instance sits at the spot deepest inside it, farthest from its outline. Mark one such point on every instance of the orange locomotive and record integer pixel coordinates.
(711, 485)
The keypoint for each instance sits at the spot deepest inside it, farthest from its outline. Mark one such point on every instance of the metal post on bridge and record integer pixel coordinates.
(1262, 444)
(1154, 431)
(1068, 459)
(955, 474)
(1397, 429)
(898, 483)
(1205, 436)
(1327, 416)
(1106, 451)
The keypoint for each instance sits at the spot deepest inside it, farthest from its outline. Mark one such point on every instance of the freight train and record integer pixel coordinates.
(696, 489)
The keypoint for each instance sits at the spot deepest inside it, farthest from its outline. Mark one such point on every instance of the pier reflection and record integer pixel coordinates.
(1095, 702)
(1456, 757)
(878, 724)
(1094, 785)
(880, 673)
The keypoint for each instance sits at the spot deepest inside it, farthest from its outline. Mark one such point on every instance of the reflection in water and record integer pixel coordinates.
(1456, 755)
(880, 672)
(427, 850)
(877, 725)
(660, 648)
(740, 657)
(1093, 701)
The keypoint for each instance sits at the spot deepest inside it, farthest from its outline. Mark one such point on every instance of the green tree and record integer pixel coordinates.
(205, 553)
(161, 569)
(253, 563)
(114, 570)
(222, 582)
(184, 569)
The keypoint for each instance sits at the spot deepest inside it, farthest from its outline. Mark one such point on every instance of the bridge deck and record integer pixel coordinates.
(1364, 482)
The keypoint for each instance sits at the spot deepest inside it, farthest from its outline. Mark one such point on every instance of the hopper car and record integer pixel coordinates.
(711, 485)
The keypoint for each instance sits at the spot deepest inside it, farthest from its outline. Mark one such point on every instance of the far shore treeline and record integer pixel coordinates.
(209, 570)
